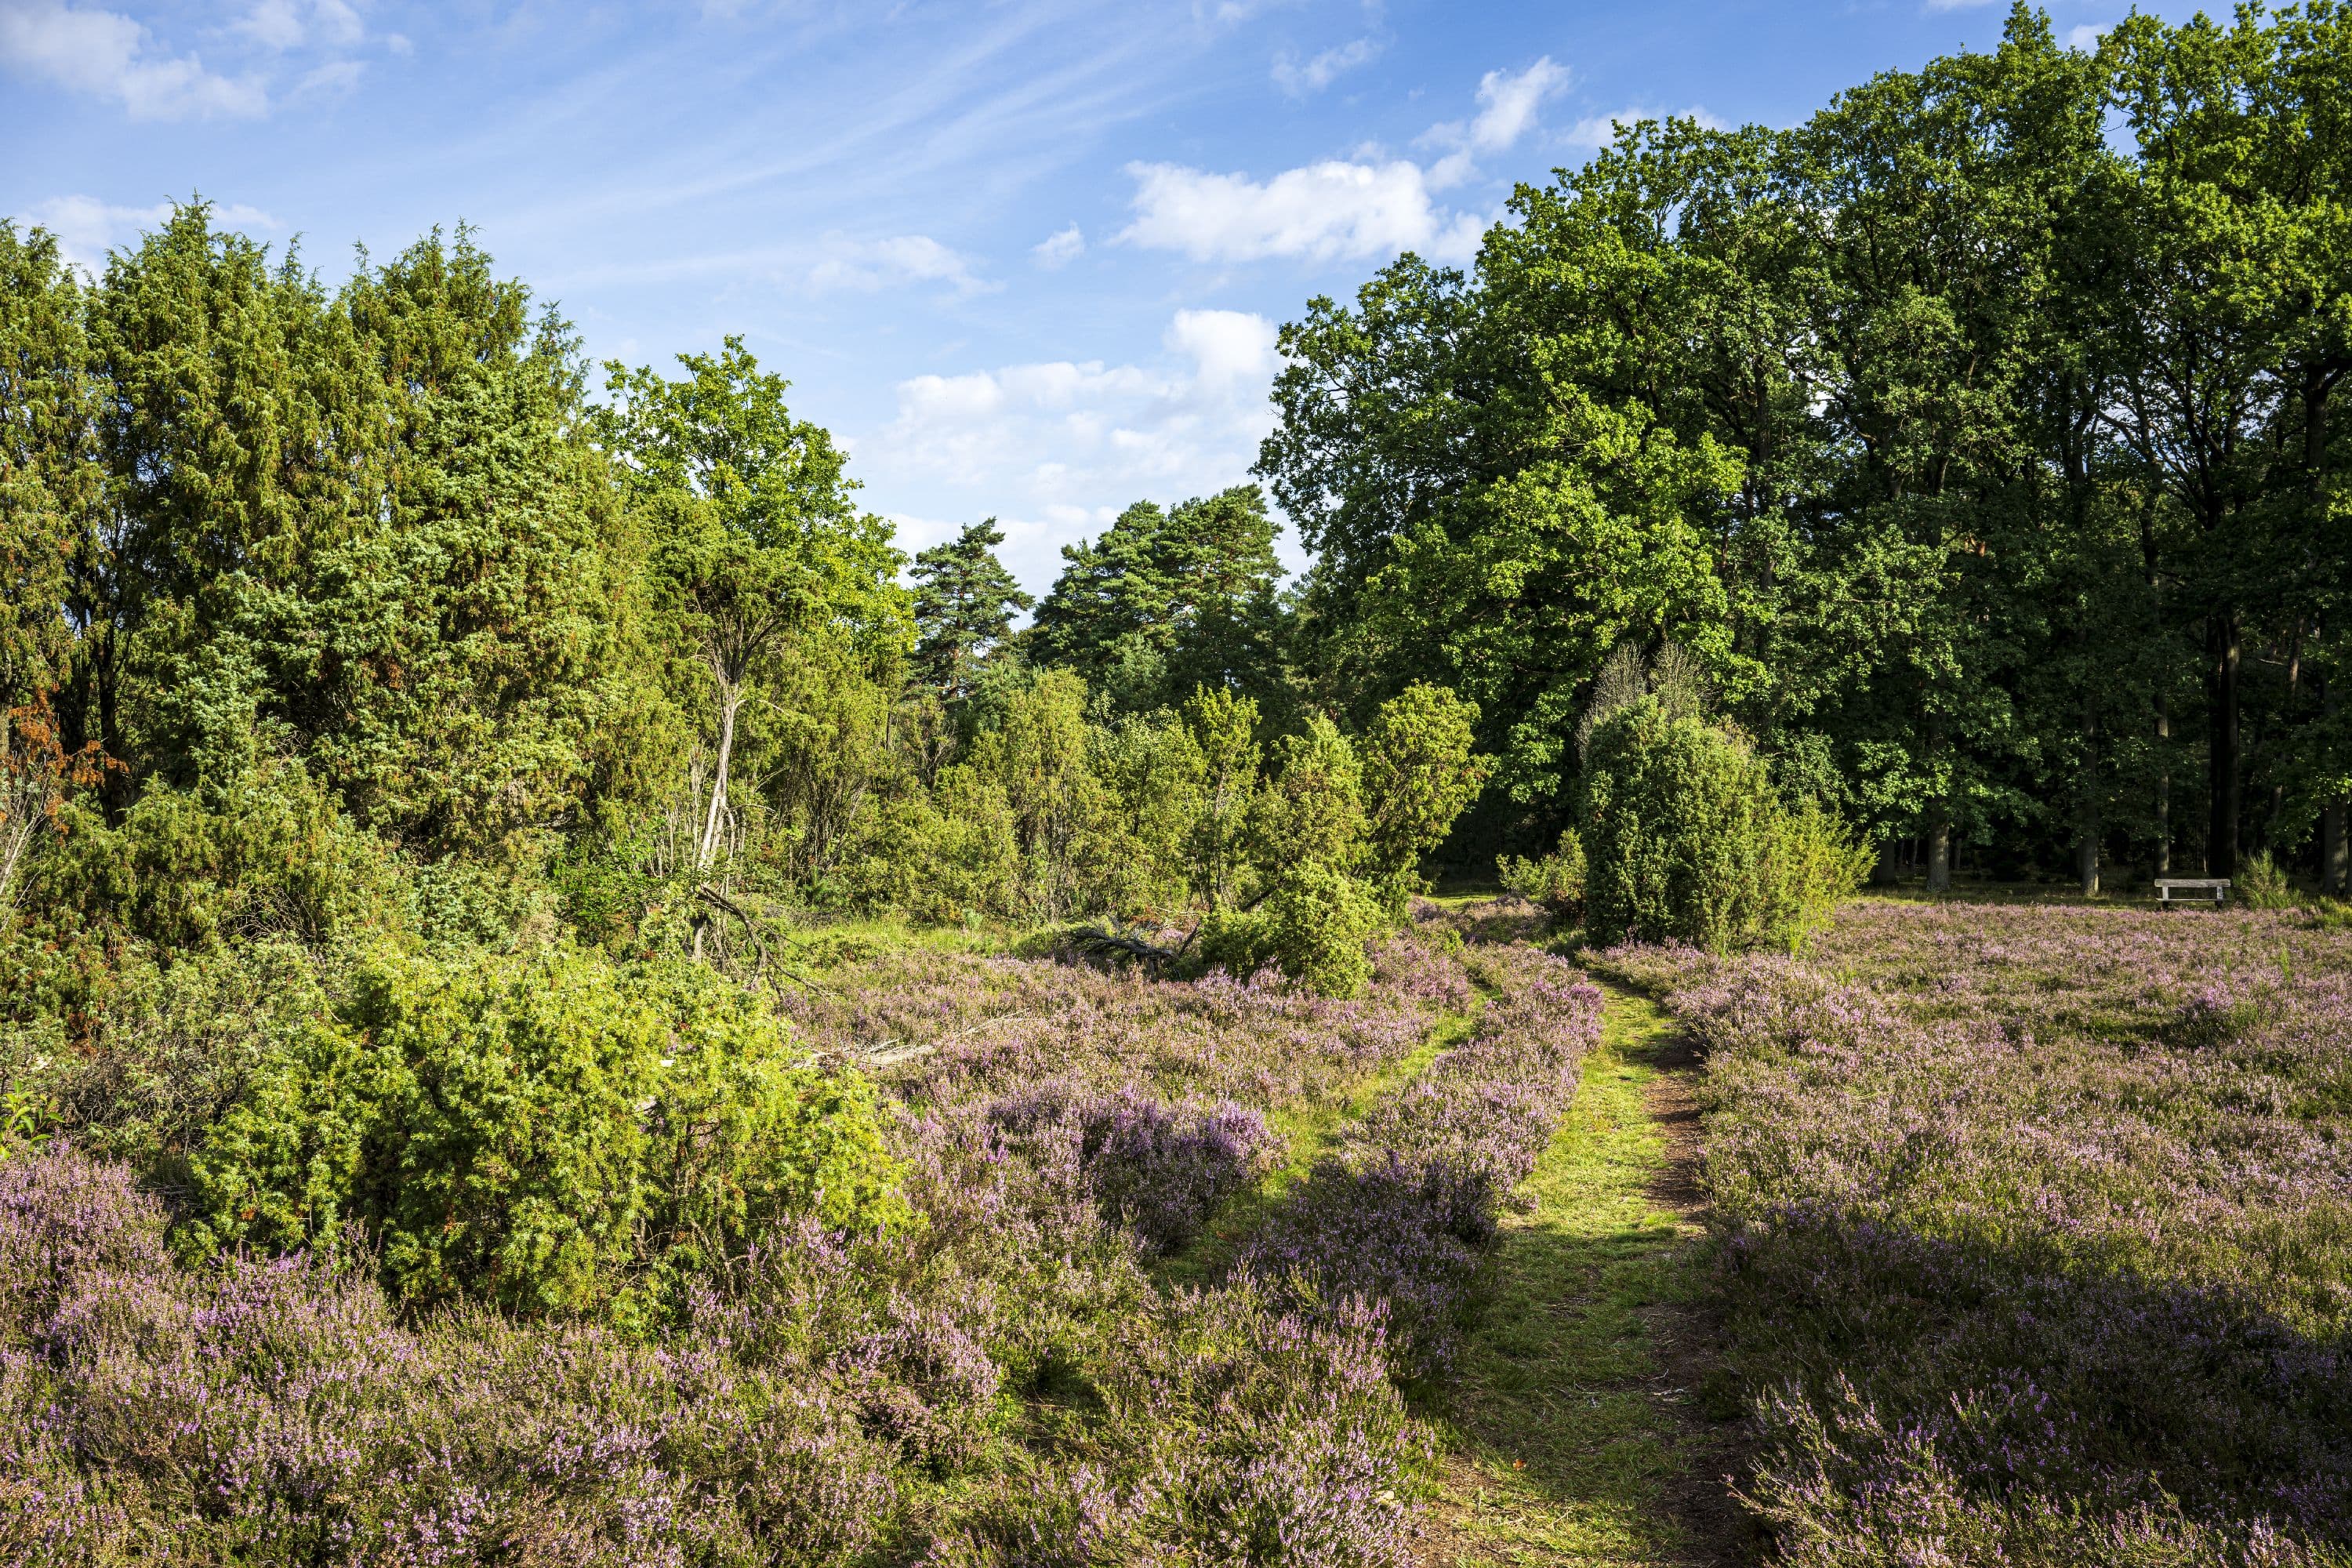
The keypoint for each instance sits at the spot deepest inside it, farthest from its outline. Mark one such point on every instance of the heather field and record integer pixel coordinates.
(1053, 1362)
(1978, 1234)
(2036, 1231)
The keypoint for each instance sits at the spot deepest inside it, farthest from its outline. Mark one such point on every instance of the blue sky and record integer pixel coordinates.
(1025, 258)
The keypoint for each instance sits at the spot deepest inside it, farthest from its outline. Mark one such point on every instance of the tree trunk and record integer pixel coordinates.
(730, 699)
(2223, 786)
(2335, 856)
(2088, 848)
(1939, 852)
(2163, 784)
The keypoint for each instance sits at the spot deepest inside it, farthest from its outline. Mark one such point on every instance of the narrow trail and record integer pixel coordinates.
(1576, 1433)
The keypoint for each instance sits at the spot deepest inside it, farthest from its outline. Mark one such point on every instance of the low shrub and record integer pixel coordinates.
(1554, 883)
(2262, 885)
(1313, 927)
(1158, 1170)
(533, 1130)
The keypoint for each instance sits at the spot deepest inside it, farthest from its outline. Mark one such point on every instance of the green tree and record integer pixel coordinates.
(758, 547)
(964, 603)
(1169, 600)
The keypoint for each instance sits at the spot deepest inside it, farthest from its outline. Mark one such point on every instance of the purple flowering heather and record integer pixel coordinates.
(2037, 1226)
(1158, 1170)
(1403, 1214)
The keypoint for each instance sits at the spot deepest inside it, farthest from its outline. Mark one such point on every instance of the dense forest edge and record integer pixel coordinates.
(495, 849)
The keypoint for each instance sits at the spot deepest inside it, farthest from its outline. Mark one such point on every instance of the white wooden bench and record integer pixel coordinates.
(2197, 889)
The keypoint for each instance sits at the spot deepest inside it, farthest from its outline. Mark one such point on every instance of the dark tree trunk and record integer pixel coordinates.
(2223, 787)
(2163, 784)
(1939, 852)
(2335, 856)
(2087, 845)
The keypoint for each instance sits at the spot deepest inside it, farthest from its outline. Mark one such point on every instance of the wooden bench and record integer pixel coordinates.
(2173, 889)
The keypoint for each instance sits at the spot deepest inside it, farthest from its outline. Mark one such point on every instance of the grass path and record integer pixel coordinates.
(1574, 1437)
(1308, 1133)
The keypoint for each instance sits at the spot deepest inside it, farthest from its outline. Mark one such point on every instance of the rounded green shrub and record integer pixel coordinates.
(538, 1131)
(1686, 841)
(1312, 926)
(1554, 883)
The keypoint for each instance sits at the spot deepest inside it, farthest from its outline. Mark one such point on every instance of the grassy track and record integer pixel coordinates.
(1309, 1133)
(1572, 1441)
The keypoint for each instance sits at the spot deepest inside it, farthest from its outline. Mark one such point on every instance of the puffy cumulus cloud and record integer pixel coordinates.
(1507, 104)
(870, 264)
(2086, 37)
(1058, 249)
(1300, 79)
(107, 55)
(1342, 210)
(1601, 129)
(1331, 211)
(86, 228)
(1055, 450)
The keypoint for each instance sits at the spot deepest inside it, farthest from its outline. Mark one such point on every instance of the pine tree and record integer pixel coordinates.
(965, 604)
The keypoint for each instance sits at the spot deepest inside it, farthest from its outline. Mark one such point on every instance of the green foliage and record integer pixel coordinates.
(264, 854)
(1312, 926)
(1314, 811)
(2261, 884)
(534, 1130)
(1170, 600)
(1687, 841)
(965, 604)
(1420, 768)
(1555, 883)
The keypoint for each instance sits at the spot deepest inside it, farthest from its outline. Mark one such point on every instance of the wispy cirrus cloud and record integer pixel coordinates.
(1300, 78)
(868, 265)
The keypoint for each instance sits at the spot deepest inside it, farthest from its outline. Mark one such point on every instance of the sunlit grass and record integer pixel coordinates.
(1566, 1437)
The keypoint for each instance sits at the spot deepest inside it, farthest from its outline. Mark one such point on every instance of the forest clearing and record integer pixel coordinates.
(1692, 913)
(2002, 1231)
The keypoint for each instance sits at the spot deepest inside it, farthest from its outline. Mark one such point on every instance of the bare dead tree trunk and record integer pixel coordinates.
(731, 698)
(1939, 851)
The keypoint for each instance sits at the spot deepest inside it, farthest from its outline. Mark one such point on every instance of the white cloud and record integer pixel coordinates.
(1058, 249)
(1229, 349)
(870, 264)
(86, 228)
(1055, 450)
(1330, 211)
(290, 24)
(1319, 73)
(2086, 37)
(1508, 107)
(1508, 103)
(1601, 129)
(107, 55)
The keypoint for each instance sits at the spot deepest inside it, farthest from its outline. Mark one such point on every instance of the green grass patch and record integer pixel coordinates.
(1568, 1438)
